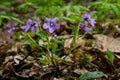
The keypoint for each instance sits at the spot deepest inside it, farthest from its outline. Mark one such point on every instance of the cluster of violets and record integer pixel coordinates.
(51, 24)
(31, 25)
(90, 20)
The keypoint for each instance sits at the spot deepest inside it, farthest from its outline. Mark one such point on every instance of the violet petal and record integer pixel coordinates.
(51, 30)
(86, 29)
(57, 26)
(29, 21)
(85, 25)
(92, 22)
(10, 30)
(25, 28)
(32, 29)
(35, 23)
(86, 16)
(53, 20)
(46, 26)
(48, 19)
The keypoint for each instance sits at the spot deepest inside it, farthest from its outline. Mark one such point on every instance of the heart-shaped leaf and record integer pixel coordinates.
(91, 75)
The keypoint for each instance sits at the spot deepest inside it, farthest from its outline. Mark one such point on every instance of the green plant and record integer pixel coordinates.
(106, 9)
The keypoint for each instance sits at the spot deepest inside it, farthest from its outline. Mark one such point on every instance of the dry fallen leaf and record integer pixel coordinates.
(79, 42)
(111, 29)
(104, 43)
(69, 44)
(80, 71)
(58, 79)
(117, 28)
(5, 41)
(17, 59)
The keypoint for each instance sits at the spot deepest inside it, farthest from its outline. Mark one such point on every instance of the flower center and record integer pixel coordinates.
(33, 24)
(52, 24)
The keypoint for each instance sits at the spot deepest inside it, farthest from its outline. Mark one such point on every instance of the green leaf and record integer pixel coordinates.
(110, 56)
(68, 19)
(5, 17)
(39, 10)
(22, 6)
(106, 7)
(42, 35)
(58, 52)
(96, 5)
(91, 75)
(44, 60)
(1, 21)
(29, 42)
(17, 20)
(82, 8)
(25, 66)
(115, 10)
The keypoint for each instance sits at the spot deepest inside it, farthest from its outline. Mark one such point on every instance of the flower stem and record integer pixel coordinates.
(50, 54)
(34, 42)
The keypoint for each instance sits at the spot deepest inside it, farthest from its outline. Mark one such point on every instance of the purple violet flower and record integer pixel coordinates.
(85, 27)
(92, 22)
(12, 29)
(86, 16)
(30, 25)
(51, 24)
(89, 19)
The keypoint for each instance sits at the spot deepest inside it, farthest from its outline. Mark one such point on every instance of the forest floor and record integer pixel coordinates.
(78, 56)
